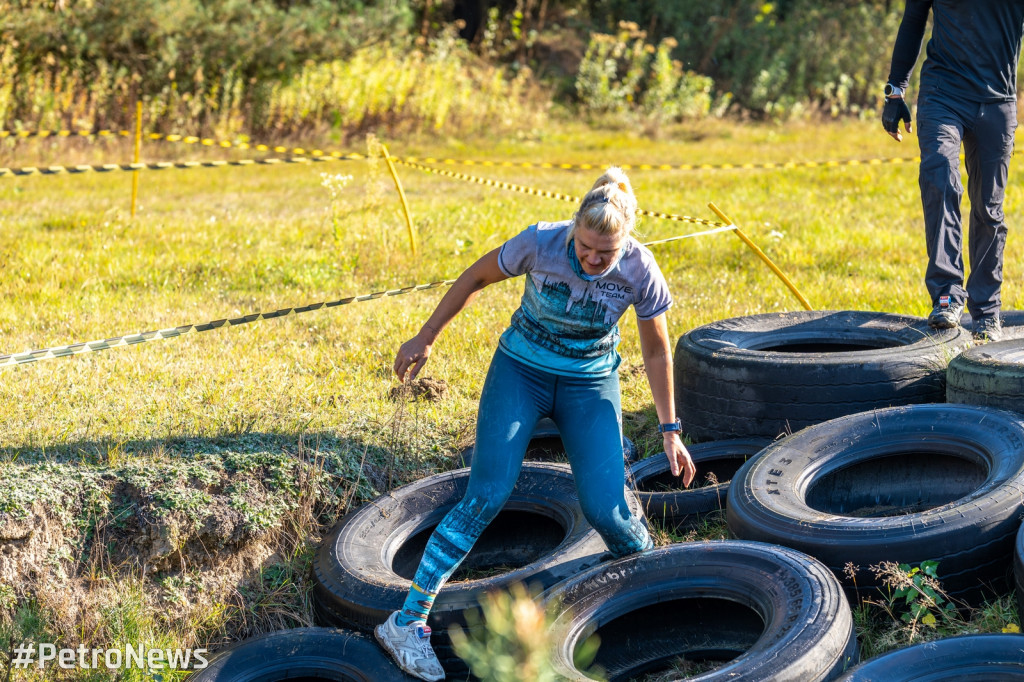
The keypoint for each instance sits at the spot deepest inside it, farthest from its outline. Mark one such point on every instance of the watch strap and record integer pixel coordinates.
(671, 426)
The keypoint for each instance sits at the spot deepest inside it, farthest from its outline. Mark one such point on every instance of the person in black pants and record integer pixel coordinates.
(967, 96)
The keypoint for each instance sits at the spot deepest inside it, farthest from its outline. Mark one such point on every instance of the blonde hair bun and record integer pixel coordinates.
(610, 205)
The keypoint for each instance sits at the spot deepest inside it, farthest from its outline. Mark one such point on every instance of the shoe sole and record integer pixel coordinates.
(378, 634)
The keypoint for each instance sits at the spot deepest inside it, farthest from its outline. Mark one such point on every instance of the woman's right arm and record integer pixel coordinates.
(414, 353)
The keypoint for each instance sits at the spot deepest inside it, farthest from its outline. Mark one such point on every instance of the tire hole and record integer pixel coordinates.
(895, 485)
(709, 473)
(514, 539)
(690, 636)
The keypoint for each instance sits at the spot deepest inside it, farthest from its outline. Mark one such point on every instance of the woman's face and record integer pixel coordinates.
(596, 252)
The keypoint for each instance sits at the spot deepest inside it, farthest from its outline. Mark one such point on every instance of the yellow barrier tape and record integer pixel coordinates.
(277, 149)
(54, 352)
(134, 339)
(786, 165)
(300, 151)
(165, 165)
(545, 193)
(186, 139)
(64, 133)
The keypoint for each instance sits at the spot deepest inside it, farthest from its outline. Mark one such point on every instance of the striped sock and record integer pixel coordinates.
(417, 606)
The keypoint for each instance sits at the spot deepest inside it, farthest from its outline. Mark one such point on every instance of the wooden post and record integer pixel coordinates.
(401, 196)
(138, 149)
(762, 256)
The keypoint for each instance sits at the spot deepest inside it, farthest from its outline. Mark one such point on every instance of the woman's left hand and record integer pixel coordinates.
(679, 459)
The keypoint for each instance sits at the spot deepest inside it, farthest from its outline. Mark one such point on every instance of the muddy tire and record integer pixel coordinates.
(365, 565)
(772, 374)
(905, 485)
(991, 374)
(953, 659)
(677, 508)
(753, 611)
(546, 446)
(303, 653)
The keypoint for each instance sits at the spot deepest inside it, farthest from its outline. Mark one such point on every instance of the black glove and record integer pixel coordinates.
(893, 112)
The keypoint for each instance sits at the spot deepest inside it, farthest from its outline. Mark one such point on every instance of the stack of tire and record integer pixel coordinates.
(894, 443)
(826, 437)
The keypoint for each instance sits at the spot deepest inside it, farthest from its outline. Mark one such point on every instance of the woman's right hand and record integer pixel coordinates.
(412, 355)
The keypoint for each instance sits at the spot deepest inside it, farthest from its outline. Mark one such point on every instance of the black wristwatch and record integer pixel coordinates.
(671, 426)
(893, 91)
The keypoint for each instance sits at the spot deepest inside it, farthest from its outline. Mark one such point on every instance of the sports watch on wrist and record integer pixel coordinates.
(671, 426)
(893, 91)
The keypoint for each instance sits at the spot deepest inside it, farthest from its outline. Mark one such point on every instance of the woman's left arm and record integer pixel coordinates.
(654, 344)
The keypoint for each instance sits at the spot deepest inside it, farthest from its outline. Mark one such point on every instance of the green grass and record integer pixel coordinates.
(281, 426)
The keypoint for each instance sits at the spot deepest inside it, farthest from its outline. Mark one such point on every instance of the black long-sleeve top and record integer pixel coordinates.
(973, 50)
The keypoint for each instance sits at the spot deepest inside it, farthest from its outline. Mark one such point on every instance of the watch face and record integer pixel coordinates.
(888, 89)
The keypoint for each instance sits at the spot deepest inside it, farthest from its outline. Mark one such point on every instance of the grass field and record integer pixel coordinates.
(173, 492)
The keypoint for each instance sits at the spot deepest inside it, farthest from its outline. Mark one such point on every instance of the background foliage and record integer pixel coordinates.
(242, 66)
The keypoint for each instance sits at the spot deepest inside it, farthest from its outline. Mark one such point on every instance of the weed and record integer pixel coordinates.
(507, 640)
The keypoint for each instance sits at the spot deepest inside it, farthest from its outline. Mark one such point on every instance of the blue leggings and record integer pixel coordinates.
(588, 414)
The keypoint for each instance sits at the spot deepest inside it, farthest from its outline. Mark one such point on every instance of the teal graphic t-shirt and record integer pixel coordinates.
(567, 322)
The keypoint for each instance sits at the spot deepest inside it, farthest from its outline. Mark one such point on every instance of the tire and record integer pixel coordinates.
(1018, 569)
(304, 653)
(766, 375)
(546, 446)
(762, 612)
(991, 374)
(663, 496)
(904, 484)
(1012, 321)
(365, 566)
(954, 659)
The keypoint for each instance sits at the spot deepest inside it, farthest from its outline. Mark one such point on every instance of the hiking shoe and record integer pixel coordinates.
(987, 329)
(946, 314)
(410, 647)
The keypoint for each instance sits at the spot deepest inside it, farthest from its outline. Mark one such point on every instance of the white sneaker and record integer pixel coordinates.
(410, 647)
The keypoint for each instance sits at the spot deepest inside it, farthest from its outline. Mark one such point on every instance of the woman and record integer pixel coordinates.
(557, 359)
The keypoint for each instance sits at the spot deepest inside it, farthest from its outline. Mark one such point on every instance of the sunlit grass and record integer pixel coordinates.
(215, 243)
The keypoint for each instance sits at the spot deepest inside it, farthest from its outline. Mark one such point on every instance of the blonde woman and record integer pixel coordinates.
(557, 359)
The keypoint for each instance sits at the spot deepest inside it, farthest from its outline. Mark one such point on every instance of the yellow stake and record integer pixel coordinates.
(761, 255)
(401, 195)
(138, 148)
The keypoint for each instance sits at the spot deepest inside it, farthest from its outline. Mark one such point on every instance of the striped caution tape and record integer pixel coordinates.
(63, 133)
(545, 193)
(186, 139)
(173, 332)
(277, 149)
(301, 151)
(164, 165)
(786, 165)
(134, 339)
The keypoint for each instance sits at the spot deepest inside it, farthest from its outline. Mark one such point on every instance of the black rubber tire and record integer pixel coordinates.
(546, 446)
(978, 658)
(365, 565)
(905, 484)
(772, 374)
(303, 654)
(1012, 321)
(991, 374)
(776, 613)
(1018, 569)
(677, 508)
